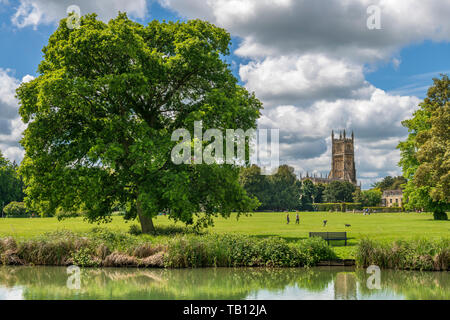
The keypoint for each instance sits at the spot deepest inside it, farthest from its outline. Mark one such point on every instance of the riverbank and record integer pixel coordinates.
(106, 248)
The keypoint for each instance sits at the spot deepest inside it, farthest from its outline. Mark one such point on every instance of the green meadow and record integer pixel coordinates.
(377, 226)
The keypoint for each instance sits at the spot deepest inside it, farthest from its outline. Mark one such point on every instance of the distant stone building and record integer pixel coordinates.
(342, 161)
(392, 198)
(343, 158)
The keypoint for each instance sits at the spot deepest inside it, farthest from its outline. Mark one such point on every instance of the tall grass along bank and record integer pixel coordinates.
(103, 248)
(405, 254)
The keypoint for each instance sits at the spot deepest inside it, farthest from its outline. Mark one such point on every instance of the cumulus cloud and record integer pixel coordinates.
(8, 103)
(299, 79)
(35, 12)
(11, 126)
(271, 28)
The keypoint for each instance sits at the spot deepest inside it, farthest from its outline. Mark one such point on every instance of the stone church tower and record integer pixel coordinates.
(343, 158)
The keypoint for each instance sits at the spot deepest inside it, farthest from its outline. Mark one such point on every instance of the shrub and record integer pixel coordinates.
(112, 239)
(244, 251)
(440, 215)
(16, 210)
(314, 250)
(84, 257)
(174, 230)
(134, 230)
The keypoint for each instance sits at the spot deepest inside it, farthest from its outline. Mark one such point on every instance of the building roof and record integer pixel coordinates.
(390, 193)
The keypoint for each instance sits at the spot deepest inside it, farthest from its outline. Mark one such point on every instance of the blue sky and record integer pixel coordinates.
(419, 62)
(315, 67)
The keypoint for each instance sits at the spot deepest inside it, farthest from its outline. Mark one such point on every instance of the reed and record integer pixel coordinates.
(419, 254)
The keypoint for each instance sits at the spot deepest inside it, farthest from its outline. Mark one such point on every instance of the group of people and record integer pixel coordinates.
(297, 218)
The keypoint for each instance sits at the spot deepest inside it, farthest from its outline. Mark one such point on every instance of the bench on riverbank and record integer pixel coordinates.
(330, 236)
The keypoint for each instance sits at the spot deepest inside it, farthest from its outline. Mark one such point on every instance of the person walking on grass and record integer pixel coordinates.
(297, 218)
(287, 218)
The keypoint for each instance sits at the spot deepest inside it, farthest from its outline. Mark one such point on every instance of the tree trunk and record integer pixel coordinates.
(146, 222)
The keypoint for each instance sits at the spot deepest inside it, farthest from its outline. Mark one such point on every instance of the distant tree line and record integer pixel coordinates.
(11, 185)
(284, 191)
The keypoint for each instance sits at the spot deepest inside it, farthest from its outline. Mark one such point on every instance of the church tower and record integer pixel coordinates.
(343, 158)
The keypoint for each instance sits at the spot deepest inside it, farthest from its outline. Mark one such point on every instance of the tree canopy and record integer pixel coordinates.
(390, 183)
(425, 154)
(308, 192)
(368, 198)
(102, 111)
(284, 191)
(280, 191)
(339, 191)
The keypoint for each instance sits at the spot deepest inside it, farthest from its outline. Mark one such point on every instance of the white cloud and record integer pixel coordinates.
(396, 63)
(271, 28)
(11, 125)
(8, 103)
(296, 79)
(35, 12)
(27, 78)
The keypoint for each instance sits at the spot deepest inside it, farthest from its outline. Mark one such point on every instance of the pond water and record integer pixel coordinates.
(220, 283)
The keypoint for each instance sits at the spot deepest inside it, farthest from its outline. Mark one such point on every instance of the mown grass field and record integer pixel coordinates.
(378, 226)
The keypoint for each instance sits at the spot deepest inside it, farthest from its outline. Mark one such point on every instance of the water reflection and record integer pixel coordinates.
(226, 283)
(345, 286)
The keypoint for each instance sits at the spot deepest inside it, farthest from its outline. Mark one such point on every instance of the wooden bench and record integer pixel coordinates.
(330, 236)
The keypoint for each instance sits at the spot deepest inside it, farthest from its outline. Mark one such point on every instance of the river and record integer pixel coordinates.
(342, 283)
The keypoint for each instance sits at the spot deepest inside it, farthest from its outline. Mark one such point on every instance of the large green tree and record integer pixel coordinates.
(368, 198)
(102, 111)
(425, 154)
(280, 191)
(256, 185)
(308, 193)
(320, 188)
(339, 191)
(284, 189)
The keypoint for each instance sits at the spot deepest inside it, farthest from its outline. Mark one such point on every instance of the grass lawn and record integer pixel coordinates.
(378, 226)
